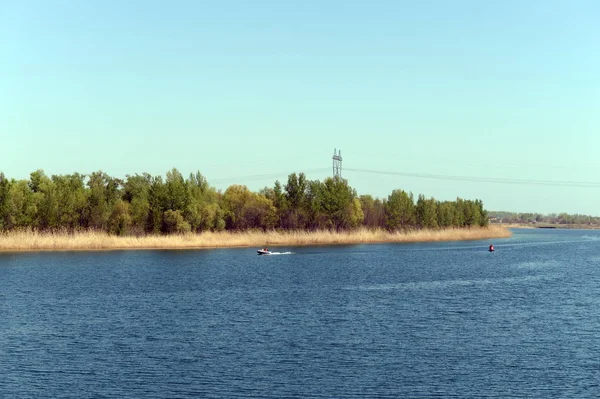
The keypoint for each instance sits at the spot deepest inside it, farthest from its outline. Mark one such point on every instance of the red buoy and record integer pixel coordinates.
(491, 248)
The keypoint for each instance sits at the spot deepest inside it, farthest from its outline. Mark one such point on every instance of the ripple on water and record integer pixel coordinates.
(540, 264)
(446, 284)
(443, 319)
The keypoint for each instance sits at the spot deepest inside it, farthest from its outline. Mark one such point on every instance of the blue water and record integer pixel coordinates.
(382, 321)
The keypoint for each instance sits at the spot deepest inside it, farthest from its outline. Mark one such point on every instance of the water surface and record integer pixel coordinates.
(389, 320)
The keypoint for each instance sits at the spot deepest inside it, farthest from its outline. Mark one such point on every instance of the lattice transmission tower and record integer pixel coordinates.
(337, 163)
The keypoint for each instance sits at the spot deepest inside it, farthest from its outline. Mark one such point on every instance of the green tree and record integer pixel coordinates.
(315, 215)
(202, 211)
(459, 216)
(20, 209)
(157, 194)
(136, 192)
(46, 201)
(293, 204)
(36, 180)
(426, 213)
(176, 195)
(484, 219)
(374, 212)
(247, 210)
(337, 203)
(4, 195)
(174, 223)
(355, 213)
(446, 214)
(234, 199)
(471, 215)
(259, 212)
(72, 197)
(295, 190)
(104, 191)
(119, 221)
(400, 210)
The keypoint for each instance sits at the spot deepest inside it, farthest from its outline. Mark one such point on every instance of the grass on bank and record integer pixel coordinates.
(36, 241)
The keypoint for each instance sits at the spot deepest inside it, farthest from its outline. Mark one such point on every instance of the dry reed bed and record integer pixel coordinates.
(35, 241)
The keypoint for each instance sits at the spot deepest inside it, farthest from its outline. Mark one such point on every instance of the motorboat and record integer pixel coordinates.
(264, 251)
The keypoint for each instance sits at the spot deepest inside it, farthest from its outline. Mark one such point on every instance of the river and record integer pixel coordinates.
(380, 320)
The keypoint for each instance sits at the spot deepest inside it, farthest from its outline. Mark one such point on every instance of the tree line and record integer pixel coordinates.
(538, 218)
(145, 204)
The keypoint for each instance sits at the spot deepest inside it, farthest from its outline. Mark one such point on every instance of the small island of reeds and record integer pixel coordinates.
(90, 240)
(97, 211)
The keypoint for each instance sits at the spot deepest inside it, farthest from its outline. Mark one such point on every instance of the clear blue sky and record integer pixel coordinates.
(236, 89)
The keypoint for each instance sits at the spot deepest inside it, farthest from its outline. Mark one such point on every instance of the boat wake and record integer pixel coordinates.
(591, 238)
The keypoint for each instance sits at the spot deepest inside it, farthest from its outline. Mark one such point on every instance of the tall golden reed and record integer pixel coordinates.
(90, 240)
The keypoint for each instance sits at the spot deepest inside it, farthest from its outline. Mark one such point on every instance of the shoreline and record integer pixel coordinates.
(30, 241)
(548, 226)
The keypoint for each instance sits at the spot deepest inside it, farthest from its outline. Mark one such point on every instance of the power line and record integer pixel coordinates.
(475, 179)
(488, 163)
(264, 176)
(482, 179)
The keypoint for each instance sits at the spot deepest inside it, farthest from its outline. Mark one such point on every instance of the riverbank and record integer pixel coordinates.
(548, 226)
(35, 241)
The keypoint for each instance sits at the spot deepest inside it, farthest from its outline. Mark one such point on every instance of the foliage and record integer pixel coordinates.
(336, 201)
(400, 210)
(175, 223)
(145, 204)
(373, 212)
(426, 212)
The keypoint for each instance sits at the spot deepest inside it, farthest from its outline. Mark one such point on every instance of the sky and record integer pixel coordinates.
(498, 101)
